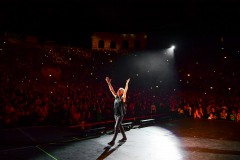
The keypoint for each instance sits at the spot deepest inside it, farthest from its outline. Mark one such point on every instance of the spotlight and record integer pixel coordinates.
(170, 51)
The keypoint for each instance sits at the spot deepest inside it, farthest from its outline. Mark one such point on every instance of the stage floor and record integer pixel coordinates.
(182, 139)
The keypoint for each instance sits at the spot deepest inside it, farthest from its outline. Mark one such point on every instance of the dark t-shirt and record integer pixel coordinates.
(119, 107)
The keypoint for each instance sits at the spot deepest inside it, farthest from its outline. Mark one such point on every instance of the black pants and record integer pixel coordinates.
(118, 125)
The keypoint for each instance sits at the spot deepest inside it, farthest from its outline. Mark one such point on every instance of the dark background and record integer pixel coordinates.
(166, 22)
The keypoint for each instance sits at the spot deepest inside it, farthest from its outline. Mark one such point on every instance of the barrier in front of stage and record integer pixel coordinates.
(104, 127)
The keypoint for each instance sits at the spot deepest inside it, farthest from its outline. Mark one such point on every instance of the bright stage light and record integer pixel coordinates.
(170, 51)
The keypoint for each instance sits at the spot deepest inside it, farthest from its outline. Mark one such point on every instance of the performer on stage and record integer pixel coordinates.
(119, 109)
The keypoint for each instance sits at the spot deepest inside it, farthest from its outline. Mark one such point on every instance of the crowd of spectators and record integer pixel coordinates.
(80, 95)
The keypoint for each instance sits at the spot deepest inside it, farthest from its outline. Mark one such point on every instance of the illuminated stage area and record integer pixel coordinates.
(182, 139)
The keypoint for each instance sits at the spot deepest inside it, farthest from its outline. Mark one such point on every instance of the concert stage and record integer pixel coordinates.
(181, 139)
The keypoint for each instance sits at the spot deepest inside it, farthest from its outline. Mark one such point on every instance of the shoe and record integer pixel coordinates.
(111, 143)
(123, 140)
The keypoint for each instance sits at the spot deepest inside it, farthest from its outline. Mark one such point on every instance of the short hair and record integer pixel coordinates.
(121, 89)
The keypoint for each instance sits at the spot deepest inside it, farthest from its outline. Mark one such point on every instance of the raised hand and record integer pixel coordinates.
(108, 80)
(128, 80)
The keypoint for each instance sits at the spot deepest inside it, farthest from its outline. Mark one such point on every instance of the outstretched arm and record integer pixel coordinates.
(125, 91)
(110, 86)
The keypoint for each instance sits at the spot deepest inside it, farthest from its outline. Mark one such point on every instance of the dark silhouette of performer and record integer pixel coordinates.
(119, 109)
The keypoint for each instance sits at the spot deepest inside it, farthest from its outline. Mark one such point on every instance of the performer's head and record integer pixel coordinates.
(120, 92)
